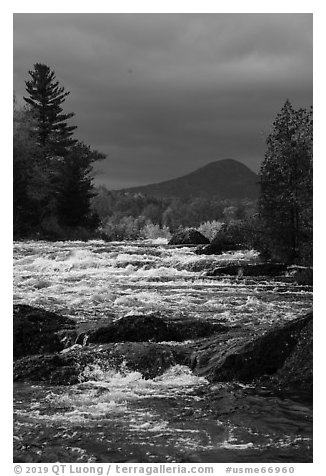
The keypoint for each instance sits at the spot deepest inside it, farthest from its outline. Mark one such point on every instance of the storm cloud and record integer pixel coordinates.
(163, 94)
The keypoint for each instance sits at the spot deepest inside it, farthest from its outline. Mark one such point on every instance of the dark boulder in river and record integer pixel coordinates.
(81, 364)
(188, 237)
(259, 269)
(56, 369)
(304, 276)
(138, 328)
(189, 329)
(149, 358)
(219, 247)
(286, 349)
(37, 331)
(226, 239)
(213, 249)
(297, 371)
(144, 328)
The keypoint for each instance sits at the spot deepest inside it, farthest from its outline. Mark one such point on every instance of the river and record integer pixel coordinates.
(117, 416)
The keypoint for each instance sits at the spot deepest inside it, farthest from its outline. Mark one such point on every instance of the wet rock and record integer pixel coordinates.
(259, 269)
(37, 331)
(80, 364)
(304, 276)
(138, 328)
(148, 358)
(55, 369)
(188, 237)
(226, 239)
(297, 371)
(248, 357)
(218, 248)
(145, 328)
(189, 329)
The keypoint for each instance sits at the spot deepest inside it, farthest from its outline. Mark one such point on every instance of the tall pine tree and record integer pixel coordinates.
(285, 204)
(59, 185)
(45, 97)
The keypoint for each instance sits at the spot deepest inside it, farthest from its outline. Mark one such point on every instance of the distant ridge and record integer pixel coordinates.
(224, 179)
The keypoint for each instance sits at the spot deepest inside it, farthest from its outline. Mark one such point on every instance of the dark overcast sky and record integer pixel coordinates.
(163, 94)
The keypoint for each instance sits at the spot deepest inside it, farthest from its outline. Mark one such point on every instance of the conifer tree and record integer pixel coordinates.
(52, 170)
(45, 98)
(285, 204)
(23, 152)
(32, 190)
(75, 187)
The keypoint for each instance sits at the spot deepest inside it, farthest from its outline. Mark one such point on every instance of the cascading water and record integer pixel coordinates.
(116, 415)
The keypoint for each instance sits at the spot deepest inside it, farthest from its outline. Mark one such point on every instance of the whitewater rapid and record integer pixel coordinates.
(117, 415)
(95, 280)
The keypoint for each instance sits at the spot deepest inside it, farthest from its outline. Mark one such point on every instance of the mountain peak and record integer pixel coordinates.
(225, 163)
(224, 179)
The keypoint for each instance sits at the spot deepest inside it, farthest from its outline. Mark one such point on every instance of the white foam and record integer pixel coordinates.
(95, 278)
(233, 446)
(106, 394)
